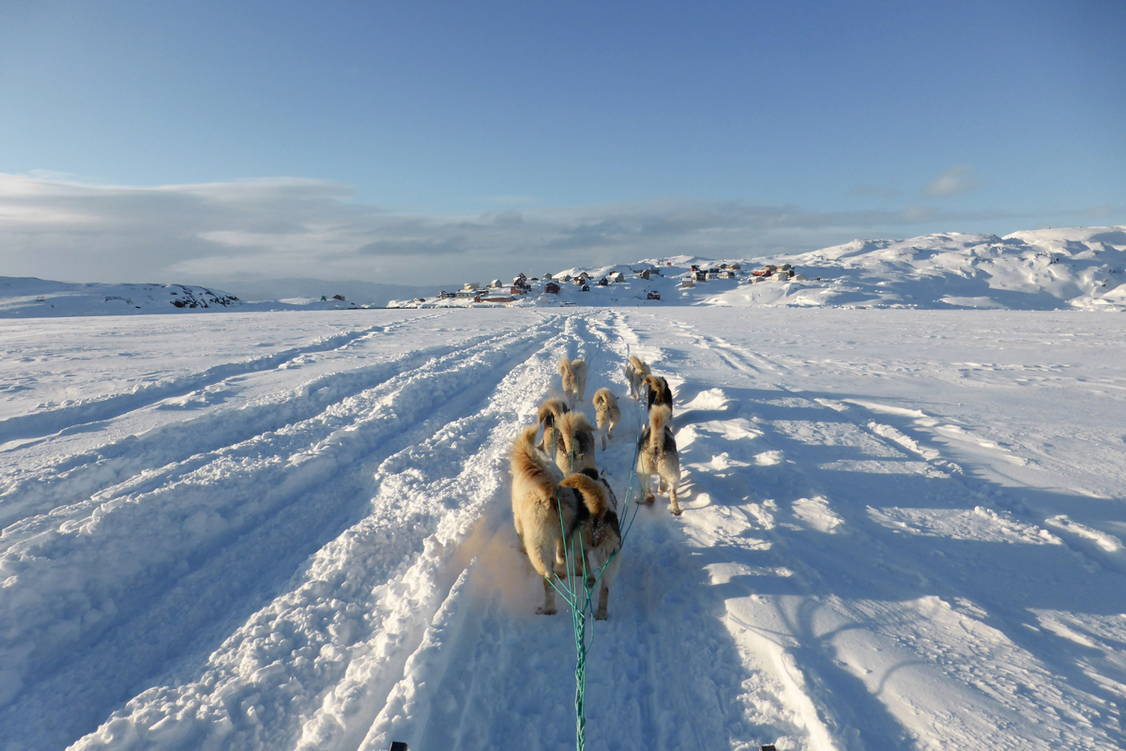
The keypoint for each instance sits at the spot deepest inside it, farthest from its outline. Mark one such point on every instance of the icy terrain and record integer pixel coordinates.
(902, 530)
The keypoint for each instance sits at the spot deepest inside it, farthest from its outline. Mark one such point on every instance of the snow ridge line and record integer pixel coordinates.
(138, 462)
(88, 560)
(54, 420)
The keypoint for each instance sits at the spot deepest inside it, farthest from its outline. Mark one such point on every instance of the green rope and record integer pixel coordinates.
(582, 606)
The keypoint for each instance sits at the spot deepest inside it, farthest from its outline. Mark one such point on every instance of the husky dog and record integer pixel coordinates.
(541, 512)
(659, 392)
(636, 370)
(606, 413)
(573, 374)
(656, 455)
(574, 449)
(549, 413)
(600, 531)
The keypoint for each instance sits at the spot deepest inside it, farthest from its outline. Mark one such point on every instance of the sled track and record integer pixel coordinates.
(238, 532)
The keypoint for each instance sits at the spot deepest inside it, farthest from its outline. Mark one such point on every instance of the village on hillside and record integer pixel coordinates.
(643, 282)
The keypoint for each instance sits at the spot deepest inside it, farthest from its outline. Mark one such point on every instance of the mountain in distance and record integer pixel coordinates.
(1053, 269)
(1077, 268)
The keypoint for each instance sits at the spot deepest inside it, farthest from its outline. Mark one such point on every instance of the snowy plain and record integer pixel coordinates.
(903, 529)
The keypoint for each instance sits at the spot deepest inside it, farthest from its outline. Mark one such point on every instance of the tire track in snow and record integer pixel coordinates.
(43, 424)
(139, 463)
(236, 511)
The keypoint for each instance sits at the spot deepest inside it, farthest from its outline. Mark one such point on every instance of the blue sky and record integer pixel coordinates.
(208, 140)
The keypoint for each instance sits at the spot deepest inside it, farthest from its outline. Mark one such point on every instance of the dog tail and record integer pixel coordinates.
(593, 493)
(526, 463)
(550, 411)
(603, 398)
(659, 417)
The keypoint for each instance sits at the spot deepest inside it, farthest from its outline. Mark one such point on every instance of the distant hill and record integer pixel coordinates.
(1077, 268)
(1057, 269)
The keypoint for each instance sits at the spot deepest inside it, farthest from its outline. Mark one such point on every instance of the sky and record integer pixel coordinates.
(404, 142)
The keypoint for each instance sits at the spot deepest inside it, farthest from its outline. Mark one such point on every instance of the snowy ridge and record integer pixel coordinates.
(901, 529)
(1080, 268)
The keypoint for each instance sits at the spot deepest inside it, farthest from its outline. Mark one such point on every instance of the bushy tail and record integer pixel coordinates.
(527, 465)
(659, 416)
(594, 494)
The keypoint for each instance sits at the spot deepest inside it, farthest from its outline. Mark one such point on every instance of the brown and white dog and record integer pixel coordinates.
(607, 415)
(574, 448)
(636, 370)
(600, 532)
(573, 375)
(657, 455)
(658, 393)
(549, 413)
(541, 511)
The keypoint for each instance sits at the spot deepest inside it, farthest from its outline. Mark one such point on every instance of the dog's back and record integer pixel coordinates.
(572, 374)
(657, 454)
(575, 448)
(636, 370)
(535, 504)
(659, 392)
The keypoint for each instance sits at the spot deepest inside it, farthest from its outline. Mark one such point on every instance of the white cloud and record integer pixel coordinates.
(958, 179)
(289, 227)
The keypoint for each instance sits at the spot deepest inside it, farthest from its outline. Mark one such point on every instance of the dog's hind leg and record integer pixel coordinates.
(674, 507)
(548, 599)
(603, 602)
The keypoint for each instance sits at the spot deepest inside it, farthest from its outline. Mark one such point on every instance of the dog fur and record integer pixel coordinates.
(549, 413)
(636, 370)
(658, 392)
(541, 513)
(657, 455)
(600, 532)
(573, 375)
(607, 415)
(574, 448)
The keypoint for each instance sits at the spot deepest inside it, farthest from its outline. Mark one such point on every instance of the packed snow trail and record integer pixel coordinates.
(901, 530)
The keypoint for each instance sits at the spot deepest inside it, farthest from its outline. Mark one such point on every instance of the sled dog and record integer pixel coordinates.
(599, 531)
(656, 455)
(549, 413)
(636, 370)
(658, 392)
(541, 511)
(574, 448)
(606, 413)
(573, 375)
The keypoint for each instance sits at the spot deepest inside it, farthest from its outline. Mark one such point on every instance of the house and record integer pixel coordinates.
(603, 282)
(686, 283)
(644, 274)
(494, 284)
(701, 276)
(551, 288)
(616, 277)
(547, 277)
(652, 295)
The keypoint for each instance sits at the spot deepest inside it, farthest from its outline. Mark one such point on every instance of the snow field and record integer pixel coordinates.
(900, 530)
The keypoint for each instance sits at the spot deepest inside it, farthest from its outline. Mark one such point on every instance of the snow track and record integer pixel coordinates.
(313, 549)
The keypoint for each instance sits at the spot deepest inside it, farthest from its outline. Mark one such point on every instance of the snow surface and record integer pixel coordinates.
(903, 529)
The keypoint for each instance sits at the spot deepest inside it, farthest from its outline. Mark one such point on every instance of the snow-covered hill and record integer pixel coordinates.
(1060, 269)
(902, 529)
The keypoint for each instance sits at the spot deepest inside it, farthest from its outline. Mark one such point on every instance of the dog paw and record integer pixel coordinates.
(600, 616)
(546, 611)
(676, 510)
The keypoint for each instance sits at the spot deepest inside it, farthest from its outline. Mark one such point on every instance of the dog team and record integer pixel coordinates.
(558, 493)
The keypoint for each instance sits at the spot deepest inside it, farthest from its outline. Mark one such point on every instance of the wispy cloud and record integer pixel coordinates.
(958, 179)
(293, 227)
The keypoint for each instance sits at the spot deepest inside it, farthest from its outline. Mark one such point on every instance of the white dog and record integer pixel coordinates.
(656, 455)
(606, 413)
(636, 370)
(573, 375)
(541, 513)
